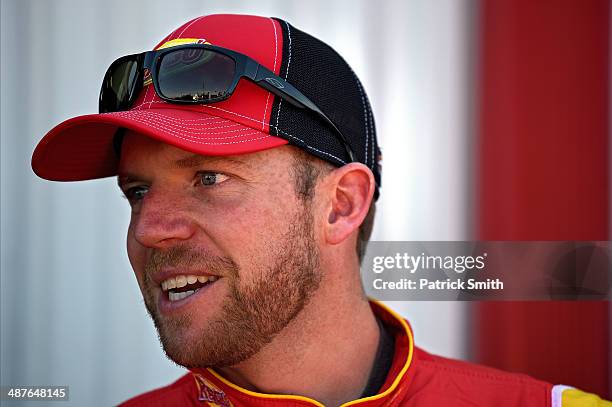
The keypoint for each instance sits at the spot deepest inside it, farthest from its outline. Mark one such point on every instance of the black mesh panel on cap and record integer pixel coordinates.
(324, 77)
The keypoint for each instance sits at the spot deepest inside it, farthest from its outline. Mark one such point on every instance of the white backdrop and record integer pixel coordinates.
(71, 311)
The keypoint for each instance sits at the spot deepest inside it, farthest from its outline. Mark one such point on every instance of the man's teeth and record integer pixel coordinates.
(182, 281)
(179, 296)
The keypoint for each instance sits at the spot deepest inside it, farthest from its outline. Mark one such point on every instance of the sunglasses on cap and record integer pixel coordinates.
(196, 74)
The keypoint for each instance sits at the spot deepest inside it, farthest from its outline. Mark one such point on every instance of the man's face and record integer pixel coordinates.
(235, 224)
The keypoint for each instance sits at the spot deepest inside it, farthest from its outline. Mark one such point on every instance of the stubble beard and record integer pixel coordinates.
(251, 315)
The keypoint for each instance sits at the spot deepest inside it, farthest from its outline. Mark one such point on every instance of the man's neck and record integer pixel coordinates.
(326, 353)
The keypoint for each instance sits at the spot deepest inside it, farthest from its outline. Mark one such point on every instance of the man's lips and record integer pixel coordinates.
(177, 285)
(173, 298)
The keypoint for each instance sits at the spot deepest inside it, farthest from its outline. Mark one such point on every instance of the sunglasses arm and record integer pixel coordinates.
(283, 89)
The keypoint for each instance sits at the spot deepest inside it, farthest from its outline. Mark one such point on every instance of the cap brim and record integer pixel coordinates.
(81, 148)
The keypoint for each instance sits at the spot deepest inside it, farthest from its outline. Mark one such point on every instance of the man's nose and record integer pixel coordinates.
(162, 221)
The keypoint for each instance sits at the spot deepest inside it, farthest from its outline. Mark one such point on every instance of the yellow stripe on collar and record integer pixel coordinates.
(399, 320)
(565, 396)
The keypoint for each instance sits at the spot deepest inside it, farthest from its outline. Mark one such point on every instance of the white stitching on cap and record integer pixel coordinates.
(263, 125)
(365, 117)
(309, 146)
(204, 107)
(159, 127)
(228, 142)
(153, 94)
(160, 117)
(213, 119)
(229, 111)
(370, 121)
(147, 112)
(144, 100)
(196, 140)
(372, 134)
(172, 33)
(189, 25)
(372, 130)
(162, 125)
(280, 104)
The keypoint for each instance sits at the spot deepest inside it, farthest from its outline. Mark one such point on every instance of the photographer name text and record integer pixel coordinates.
(406, 265)
(448, 284)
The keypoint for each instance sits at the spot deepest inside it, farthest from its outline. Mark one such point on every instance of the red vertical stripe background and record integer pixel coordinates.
(543, 175)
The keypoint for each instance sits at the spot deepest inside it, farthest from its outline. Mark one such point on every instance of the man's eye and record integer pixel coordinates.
(212, 178)
(136, 193)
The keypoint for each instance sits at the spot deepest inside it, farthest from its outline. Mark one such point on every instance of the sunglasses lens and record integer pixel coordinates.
(195, 75)
(118, 85)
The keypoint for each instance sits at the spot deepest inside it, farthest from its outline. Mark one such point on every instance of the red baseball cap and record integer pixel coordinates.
(251, 120)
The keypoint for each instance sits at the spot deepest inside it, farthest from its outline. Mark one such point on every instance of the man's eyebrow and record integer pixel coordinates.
(191, 161)
(123, 179)
(197, 160)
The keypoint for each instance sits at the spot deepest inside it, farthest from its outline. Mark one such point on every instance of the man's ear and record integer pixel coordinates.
(351, 189)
